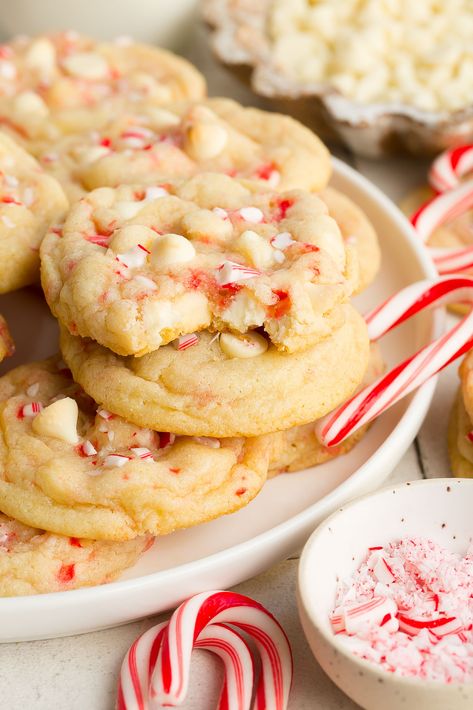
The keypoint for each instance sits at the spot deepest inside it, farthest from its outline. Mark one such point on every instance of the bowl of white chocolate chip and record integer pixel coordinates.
(382, 77)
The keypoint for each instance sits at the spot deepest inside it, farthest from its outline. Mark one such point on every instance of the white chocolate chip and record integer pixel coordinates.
(130, 236)
(154, 192)
(41, 57)
(255, 249)
(29, 102)
(90, 155)
(172, 249)
(282, 240)
(134, 257)
(251, 214)
(206, 140)
(243, 346)
(58, 420)
(86, 65)
(127, 209)
(162, 117)
(115, 461)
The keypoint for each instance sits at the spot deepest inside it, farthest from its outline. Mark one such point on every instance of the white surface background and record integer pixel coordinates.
(81, 672)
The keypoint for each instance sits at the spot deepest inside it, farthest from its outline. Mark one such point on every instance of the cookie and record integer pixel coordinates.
(455, 233)
(299, 448)
(74, 469)
(30, 202)
(134, 268)
(358, 231)
(460, 446)
(224, 385)
(149, 145)
(61, 83)
(33, 561)
(7, 346)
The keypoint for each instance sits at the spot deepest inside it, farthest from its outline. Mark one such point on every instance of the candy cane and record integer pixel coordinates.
(437, 211)
(170, 679)
(449, 166)
(155, 671)
(373, 400)
(139, 663)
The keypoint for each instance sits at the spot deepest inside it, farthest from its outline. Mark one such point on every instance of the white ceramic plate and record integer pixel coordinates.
(229, 550)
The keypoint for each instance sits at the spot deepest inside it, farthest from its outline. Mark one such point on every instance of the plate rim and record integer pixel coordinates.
(405, 429)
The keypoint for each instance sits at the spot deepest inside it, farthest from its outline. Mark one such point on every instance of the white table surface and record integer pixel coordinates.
(80, 672)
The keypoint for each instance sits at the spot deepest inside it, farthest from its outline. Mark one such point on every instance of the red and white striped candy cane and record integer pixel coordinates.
(450, 166)
(375, 399)
(138, 666)
(435, 212)
(171, 675)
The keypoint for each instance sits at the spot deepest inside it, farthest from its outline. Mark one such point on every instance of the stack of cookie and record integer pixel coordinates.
(202, 278)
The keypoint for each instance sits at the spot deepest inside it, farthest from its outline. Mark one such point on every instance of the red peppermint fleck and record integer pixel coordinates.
(106, 142)
(101, 240)
(377, 547)
(282, 305)
(240, 491)
(282, 207)
(75, 542)
(385, 619)
(469, 436)
(265, 171)
(175, 470)
(66, 573)
(9, 200)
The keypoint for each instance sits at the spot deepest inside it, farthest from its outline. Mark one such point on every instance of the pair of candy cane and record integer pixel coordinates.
(373, 400)
(451, 200)
(155, 671)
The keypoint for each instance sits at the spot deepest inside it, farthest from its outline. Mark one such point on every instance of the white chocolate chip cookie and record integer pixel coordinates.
(149, 145)
(134, 267)
(206, 386)
(64, 83)
(34, 561)
(73, 468)
(30, 203)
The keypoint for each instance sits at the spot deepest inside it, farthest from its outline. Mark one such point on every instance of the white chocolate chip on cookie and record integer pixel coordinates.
(243, 346)
(86, 65)
(29, 102)
(256, 249)
(171, 249)
(130, 236)
(206, 140)
(41, 57)
(58, 420)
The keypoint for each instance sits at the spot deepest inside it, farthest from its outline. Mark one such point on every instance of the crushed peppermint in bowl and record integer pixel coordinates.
(386, 596)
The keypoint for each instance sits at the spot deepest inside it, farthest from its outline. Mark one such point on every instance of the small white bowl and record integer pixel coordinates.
(440, 509)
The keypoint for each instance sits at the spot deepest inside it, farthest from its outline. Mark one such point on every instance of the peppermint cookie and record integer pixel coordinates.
(30, 201)
(227, 385)
(356, 230)
(299, 448)
(7, 346)
(73, 468)
(63, 83)
(33, 561)
(134, 268)
(150, 145)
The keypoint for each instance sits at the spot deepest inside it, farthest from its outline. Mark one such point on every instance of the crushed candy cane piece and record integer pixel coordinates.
(30, 410)
(134, 257)
(186, 341)
(116, 460)
(141, 452)
(427, 631)
(220, 212)
(229, 272)
(105, 414)
(87, 448)
(166, 439)
(154, 192)
(282, 240)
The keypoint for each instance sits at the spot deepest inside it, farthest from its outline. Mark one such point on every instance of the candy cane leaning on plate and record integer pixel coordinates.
(435, 212)
(450, 166)
(155, 671)
(138, 666)
(170, 678)
(373, 400)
